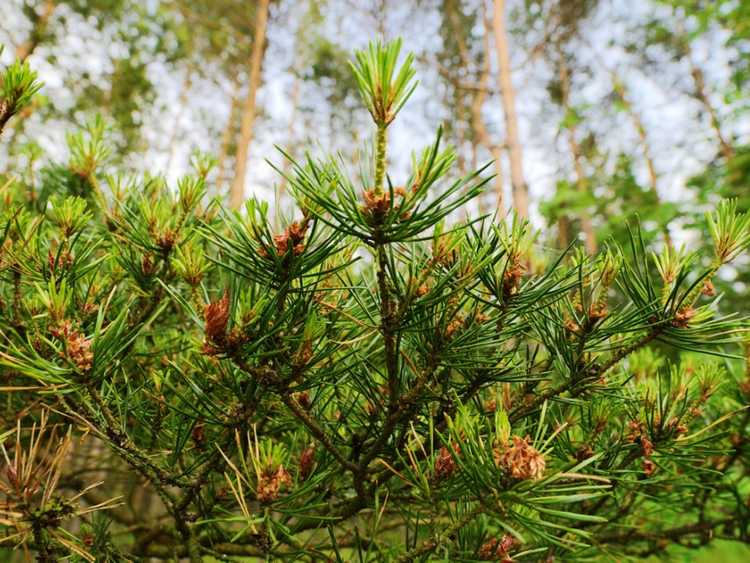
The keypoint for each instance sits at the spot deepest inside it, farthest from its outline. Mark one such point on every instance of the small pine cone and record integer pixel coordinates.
(598, 311)
(683, 317)
(647, 446)
(488, 549)
(199, 435)
(708, 288)
(490, 406)
(648, 466)
(270, 484)
(445, 464)
(584, 452)
(423, 290)
(216, 317)
(377, 205)
(512, 278)
(453, 326)
(306, 463)
(520, 459)
(79, 350)
(282, 243)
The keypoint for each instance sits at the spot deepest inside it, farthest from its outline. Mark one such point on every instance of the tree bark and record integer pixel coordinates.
(226, 139)
(575, 150)
(25, 49)
(237, 192)
(507, 93)
(182, 103)
(640, 129)
(479, 126)
(701, 95)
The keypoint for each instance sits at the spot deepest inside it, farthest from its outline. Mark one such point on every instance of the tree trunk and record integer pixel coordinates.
(479, 126)
(226, 139)
(182, 103)
(237, 193)
(702, 96)
(25, 49)
(581, 180)
(296, 88)
(640, 129)
(507, 93)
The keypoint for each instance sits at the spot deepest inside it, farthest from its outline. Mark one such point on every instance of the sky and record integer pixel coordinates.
(681, 141)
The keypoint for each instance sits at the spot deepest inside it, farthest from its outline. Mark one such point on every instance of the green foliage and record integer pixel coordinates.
(370, 379)
(18, 84)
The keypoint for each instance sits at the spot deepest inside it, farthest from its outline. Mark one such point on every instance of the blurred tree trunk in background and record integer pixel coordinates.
(39, 23)
(507, 93)
(227, 136)
(582, 183)
(237, 192)
(483, 136)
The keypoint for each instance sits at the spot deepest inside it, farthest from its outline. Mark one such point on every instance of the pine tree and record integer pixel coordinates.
(372, 381)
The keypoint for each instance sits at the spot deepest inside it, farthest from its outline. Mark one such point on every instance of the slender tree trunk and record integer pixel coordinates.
(25, 49)
(640, 129)
(479, 126)
(701, 94)
(296, 88)
(226, 139)
(581, 180)
(237, 192)
(182, 103)
(507, 93)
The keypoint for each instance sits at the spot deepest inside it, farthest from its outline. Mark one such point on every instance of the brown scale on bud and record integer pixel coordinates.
(199, 435)
(497, 549)
(77, 345)
(647, 445)
(598, 311)
(481, 318)
(303, 399)
(683, 317)
(572, 326)
(270, 484)
(648, 466)
(423, 290)
(216, 317)
(62, 260)
(445, 463)
(89, 309)
(306, 463)
(454, 326)
(147, 266)
(79, 350)
(520, 460)
(166, 240)
(674, 425)
(490, 406)
(512, 277)
(635, 430)
(291, 239)
(584, 452)
(376, 204)
(708, 288)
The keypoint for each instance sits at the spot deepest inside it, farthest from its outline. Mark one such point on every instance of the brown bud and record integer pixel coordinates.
(271, 482)
(216, 316)
(520, 459)
(445, 464)
(306, 463)
(683, 317)
(708, 288)
(648, 466)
